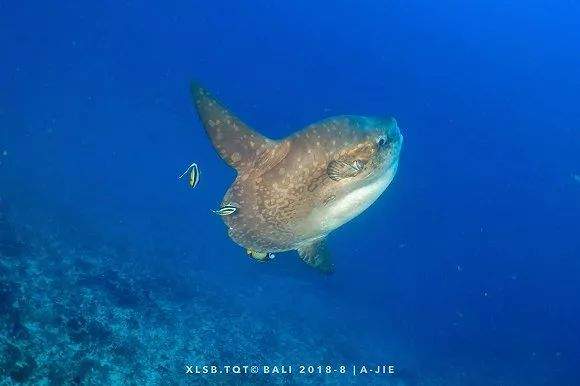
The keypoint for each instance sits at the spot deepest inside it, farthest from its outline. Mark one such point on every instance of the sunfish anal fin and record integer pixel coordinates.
(316, 255)
(237, 144)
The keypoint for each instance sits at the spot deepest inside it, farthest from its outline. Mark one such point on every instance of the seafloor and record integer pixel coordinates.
(73, 314)
(110, 312)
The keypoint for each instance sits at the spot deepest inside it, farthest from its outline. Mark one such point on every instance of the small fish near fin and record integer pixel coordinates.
(226, 210)
(237, 144)
(317, 256)
(193, 171)
(261, 257)
(338, 169)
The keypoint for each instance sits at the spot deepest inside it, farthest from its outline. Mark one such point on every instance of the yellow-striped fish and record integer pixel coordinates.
(193, 171)
(225, 210)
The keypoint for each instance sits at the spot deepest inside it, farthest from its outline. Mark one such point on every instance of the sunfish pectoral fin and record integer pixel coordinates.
(237, 144)
(316, 255)
(340, 169)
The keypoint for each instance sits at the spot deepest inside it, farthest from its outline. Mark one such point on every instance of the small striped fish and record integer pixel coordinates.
(193, 171)
(225, 210)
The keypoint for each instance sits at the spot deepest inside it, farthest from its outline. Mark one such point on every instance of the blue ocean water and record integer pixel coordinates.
(465, 272)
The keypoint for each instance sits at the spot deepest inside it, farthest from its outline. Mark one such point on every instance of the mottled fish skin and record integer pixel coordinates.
(285, 194)
(279, 202)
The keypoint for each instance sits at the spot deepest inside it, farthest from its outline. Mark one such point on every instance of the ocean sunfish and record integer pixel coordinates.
(289, 194)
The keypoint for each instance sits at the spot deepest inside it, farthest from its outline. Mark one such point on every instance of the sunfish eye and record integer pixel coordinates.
(382, 142)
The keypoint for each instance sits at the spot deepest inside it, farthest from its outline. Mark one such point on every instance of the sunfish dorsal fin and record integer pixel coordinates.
(237, 144)
(316, 255)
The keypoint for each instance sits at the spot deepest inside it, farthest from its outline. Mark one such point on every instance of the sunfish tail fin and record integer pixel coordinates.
(317, 255)
(237, 144)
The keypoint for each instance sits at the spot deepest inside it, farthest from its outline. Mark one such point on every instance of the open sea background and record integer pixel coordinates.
(465, 272)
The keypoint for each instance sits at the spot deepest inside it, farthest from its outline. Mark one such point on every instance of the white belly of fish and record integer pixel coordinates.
(346, 208)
